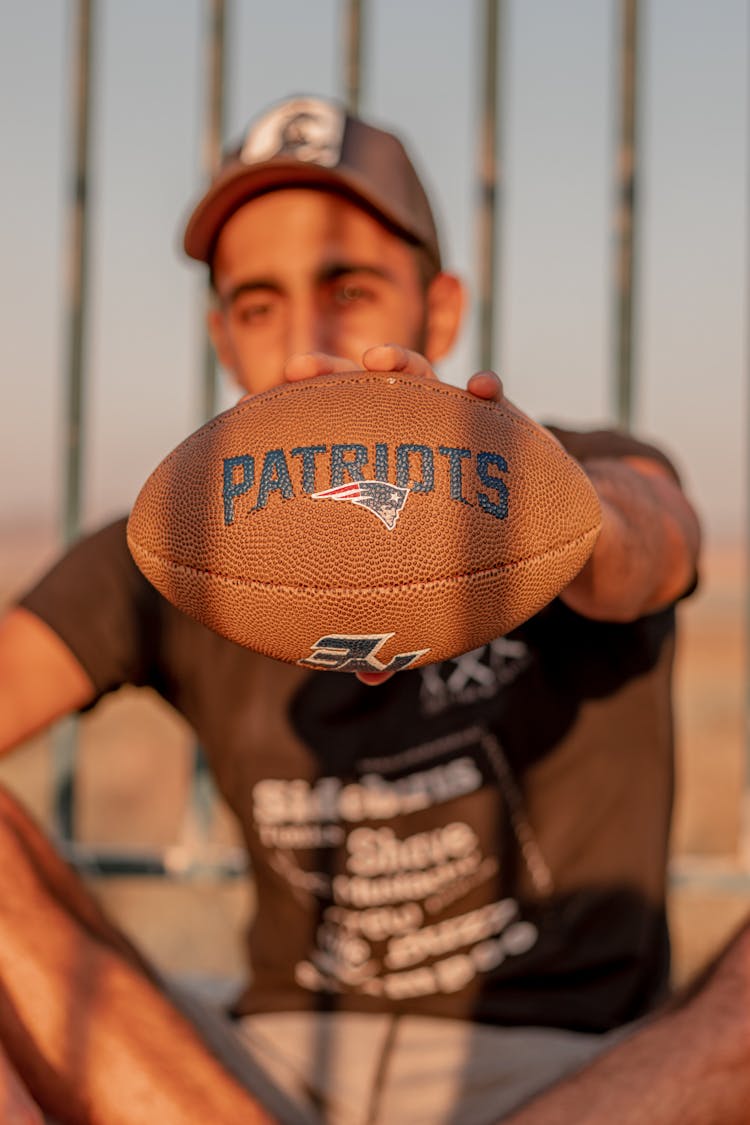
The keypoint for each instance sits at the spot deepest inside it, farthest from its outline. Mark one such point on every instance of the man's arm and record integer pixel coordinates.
(16, 1102)
(40, 678)
(647, 551)
(90, 1034)
(646, 554)
(687, 1066)
(84, 1027)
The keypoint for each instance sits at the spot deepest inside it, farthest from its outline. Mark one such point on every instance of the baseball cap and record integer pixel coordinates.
(313, 142)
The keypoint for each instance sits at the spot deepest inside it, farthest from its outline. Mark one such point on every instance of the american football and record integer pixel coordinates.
(364, 522)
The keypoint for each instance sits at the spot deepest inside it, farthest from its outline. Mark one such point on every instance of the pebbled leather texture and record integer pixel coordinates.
(496, 518)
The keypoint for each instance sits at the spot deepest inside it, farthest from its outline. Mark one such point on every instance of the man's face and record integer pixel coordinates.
(306, 271)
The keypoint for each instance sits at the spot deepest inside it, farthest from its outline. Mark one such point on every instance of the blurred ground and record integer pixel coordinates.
(711, 868)
(135, 756)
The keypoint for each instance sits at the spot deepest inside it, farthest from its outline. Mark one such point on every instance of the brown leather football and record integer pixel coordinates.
(364, 522)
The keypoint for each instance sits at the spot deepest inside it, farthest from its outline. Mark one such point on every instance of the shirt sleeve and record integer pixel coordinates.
(102, 608)
(587, 445)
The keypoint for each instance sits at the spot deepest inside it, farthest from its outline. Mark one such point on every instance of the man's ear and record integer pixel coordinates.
(217, 330)
(446, 298)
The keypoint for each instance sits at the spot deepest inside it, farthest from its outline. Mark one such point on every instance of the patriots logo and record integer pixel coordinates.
(383, 499)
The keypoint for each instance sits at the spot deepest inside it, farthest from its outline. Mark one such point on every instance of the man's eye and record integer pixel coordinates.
(252, 308)
(351, 294)
(254, 313)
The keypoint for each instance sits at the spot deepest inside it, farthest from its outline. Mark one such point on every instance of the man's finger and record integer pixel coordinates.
(487, 385)
(307, 365)
(392, 357)
(372, 679)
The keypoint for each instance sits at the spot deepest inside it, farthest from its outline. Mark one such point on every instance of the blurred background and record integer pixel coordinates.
(554, 338)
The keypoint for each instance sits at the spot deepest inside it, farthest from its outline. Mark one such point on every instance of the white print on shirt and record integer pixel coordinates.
(446, 937)
(382, 870)
(493, 933)
(378, 851)
(472, 677)
(309, 882)
(438, 866)
(301, 835)
(278, 802)
(379, 922)
(357, 891)
(382, 896)
(389, 869)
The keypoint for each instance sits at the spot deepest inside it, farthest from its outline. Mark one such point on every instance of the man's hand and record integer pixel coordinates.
(386, 357)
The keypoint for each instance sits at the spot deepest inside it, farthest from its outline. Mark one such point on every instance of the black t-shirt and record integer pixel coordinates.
(485, 838)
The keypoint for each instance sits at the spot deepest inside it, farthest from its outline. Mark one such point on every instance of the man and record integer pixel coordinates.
(460, 871)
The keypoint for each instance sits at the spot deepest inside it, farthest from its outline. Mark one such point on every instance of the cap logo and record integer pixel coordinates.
(306, 129)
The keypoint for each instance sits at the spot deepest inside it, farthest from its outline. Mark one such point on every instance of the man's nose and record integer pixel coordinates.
(307, 330)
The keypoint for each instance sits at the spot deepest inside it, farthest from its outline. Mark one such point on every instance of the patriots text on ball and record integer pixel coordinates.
(466, 477)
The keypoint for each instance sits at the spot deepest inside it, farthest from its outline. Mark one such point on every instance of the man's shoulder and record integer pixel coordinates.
(108, 537)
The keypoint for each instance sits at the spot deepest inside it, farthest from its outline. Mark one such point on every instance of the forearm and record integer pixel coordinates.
(645, 556)
(102, 1041)
(16, 1104)
(93, 1039)
(690, 1066)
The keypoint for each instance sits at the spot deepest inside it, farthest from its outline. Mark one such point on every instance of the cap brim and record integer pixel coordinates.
(241, 183)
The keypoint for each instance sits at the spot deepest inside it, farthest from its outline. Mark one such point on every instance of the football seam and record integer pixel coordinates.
(422, 584)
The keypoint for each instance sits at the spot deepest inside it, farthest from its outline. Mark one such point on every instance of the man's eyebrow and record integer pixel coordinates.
(250, 286)
(332, 272)
(336, 270)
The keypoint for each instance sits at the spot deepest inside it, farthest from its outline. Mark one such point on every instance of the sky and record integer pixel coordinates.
(554, 302)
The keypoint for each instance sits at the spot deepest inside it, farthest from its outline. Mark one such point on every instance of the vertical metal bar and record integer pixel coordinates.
(746, 824)
(489, 180)
(353, 52)
(201, 803)
(65, 739)
(213, 138)
(626, 215)
(77, 277)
